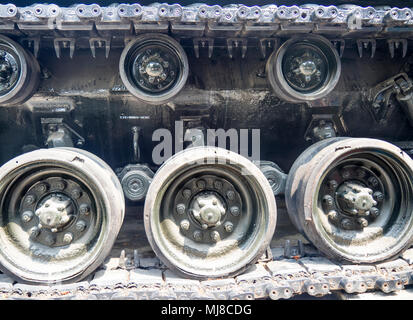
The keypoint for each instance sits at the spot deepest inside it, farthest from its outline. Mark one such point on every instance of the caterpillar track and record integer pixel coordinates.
(201, 151)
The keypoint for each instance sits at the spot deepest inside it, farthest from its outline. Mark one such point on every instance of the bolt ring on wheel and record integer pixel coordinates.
(352, 198)
(209, 213)
(19, 72)
(154, 68)
(61, 211)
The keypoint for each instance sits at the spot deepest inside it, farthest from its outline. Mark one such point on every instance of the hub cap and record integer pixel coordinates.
(9, 70)
(305, 67)
(155, 68)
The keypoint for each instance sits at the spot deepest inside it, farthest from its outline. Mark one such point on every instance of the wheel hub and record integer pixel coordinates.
(354, 198)
(305, 68)
(208, 210)
(8, 70)
(155, 69)
(55, 213)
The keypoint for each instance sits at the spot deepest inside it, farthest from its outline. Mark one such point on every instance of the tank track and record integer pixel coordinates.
(275, 276)
(236, 26)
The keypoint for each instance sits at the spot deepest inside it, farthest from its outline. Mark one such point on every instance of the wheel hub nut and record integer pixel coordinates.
(55, 213)
(355, 198)
(208, 210)
(215, 236)
(67, 238)
(229, 227)
(185, 225)
(27, 216)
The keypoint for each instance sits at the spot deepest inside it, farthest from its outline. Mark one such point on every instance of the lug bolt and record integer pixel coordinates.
(30, 199)
(378, 196)
(375, 212)
(234, 211)
(332, 215)
(215, 236)
(218, 184)
(346, 223)
(42, 187)
(180, 208)
(60, 185)
(361, 173)
(201, 184)
(229, 227)
(332, 184)
(214, 202)
(345, 174)
(67, 238)
(363, 222)
(84, 209)
(373, 181)
(185, 225)
(231, 195)
(80, 225)
(76, 194)
(34, 232)
(187, 193)
(27, 216)
(197, 235)
(328, 200)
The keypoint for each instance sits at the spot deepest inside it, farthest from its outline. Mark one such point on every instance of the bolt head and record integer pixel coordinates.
(378, 196)
(76, 194)
(34, 232)
(30, 199)
(231, 195)
(229, 227)
(374, 212)
(187, 193)
(84, 209)
(332, 215)
(215, 236)
(185, 225)
(68, 238)
(328, 200)
(362, 222)
(197, 235)
(80, 225)
(42, 187)
(60, 185)
(332, 184)
(373, 181)
(218, 184)
(27, 216)
(201, 184)
(234, 211)
(180, 208)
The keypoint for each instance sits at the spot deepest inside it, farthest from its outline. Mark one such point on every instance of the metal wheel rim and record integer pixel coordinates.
(400, 229)
(199, 264)
(280, 85)
(45, 264)
(155, 40)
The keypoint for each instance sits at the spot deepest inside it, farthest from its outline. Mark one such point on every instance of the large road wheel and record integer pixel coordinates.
(61, 210)
(19, 72)
(209, 213)
(352, 198)
(154, 68)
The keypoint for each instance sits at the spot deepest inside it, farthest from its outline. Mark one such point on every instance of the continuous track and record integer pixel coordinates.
(138, 274)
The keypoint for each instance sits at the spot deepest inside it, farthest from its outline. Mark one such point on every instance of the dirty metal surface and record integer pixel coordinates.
(133, 272)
